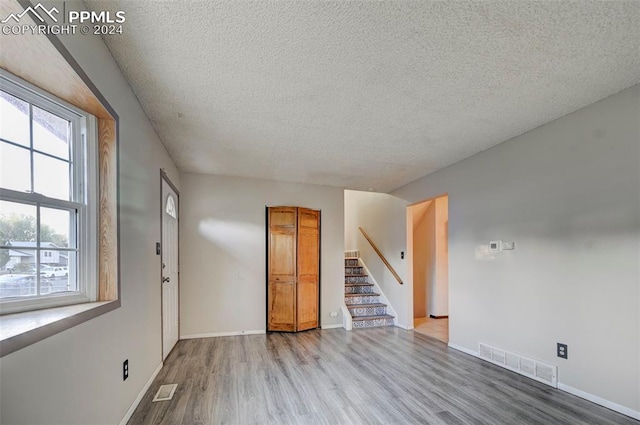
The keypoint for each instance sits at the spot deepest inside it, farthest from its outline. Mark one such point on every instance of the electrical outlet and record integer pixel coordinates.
(125, 370)
(563, 351)
(402, 255)
(158, 248)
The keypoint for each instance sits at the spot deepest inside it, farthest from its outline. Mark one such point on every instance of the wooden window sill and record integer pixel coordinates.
(20, 330)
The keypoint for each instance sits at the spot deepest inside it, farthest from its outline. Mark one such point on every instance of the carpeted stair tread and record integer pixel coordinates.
(381, 316)
(358, 284)
(366, 294)
(355, 275)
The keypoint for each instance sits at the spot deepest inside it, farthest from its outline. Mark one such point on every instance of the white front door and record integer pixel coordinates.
(169, 268)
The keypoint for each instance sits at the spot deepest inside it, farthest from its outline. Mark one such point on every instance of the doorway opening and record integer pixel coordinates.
(428, 240)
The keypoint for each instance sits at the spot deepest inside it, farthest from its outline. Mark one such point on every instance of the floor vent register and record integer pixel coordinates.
(165, 392)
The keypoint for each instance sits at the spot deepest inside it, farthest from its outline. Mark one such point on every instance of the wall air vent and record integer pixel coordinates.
(534, 369)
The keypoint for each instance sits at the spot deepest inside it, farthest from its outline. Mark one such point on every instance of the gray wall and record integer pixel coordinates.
(75, 377)
(223, 250)
(568, 194)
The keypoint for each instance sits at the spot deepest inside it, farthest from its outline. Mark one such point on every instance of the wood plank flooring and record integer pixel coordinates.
(367, 376)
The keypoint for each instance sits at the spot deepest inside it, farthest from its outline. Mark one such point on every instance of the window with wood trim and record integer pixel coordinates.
(48, 204)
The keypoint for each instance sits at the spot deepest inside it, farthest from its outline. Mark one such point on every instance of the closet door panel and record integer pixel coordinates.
(308, 268)
(281, 293)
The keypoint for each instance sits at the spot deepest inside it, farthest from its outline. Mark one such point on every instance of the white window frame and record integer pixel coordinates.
(85, 198)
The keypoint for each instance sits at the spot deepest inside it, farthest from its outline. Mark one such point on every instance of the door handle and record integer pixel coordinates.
(166, 279)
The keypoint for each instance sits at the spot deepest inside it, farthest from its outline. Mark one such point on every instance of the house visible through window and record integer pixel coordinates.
(46, 221)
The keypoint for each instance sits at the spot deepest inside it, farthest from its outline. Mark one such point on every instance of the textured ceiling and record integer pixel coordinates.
(370, 94)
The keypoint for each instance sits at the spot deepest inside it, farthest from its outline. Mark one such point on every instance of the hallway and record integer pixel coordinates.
(435, 328)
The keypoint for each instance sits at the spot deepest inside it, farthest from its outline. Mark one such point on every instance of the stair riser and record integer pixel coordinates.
(368, 311)
(356, 279)
(353, 270)
(372, 323)
(358, 289)
(361, 300)
(354, 274)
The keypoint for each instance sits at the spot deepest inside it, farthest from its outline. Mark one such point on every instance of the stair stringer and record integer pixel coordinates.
(347, 320)
(376, 288)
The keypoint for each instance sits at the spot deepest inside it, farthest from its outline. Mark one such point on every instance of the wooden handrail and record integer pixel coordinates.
(384, 260)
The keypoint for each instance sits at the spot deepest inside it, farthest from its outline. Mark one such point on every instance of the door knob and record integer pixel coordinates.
(166, 279)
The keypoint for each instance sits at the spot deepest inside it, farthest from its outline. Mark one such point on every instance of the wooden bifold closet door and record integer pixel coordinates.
(293, 261)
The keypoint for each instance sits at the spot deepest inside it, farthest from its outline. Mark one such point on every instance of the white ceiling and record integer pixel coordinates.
(364, 94)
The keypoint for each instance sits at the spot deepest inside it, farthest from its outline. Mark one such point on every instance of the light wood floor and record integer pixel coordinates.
(367, 376)
(435, 328)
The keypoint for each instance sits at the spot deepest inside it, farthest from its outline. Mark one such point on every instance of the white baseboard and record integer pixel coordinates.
(339, 325)
(138, 399)
(599, 400)
(219, 334)
(463, 349)
(404, 326)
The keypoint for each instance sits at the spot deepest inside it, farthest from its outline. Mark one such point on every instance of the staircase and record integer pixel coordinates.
(364, 305)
